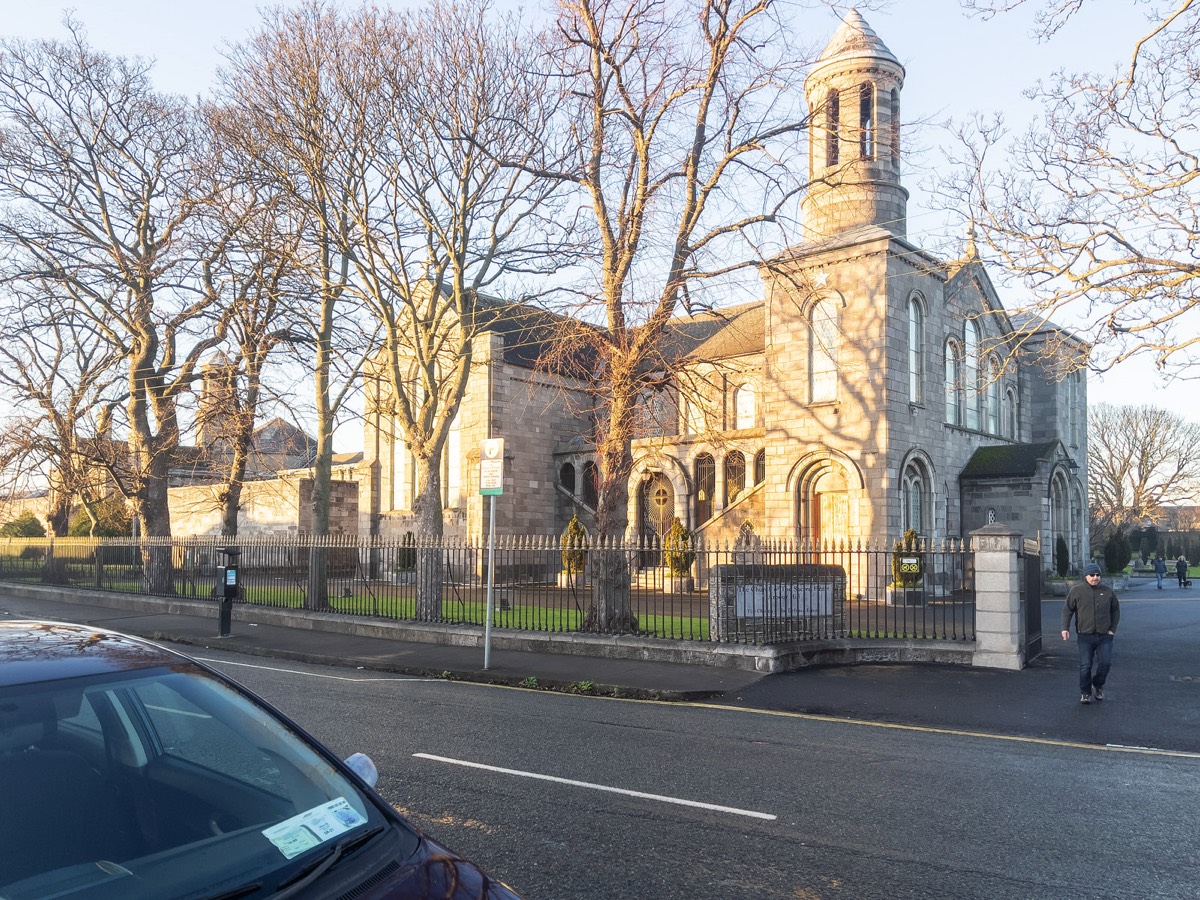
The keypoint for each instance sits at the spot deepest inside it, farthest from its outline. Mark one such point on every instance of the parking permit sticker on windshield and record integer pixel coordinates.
(312, 827)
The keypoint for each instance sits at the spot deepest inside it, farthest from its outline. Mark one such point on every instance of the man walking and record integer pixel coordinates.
(1160, 569)
(1095, 609)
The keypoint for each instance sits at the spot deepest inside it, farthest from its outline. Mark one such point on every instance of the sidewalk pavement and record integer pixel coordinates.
(556, 671)
(1153, 694)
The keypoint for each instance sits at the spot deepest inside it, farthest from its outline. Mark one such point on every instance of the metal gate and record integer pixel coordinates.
(1031, 599)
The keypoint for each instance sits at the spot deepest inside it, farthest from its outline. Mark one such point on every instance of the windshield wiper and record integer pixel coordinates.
(242, 890)
(319, 867)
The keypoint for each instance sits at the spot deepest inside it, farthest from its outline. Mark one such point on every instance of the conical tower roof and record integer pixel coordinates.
(855, 39)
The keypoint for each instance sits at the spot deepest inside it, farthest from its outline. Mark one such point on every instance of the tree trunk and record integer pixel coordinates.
(155, 520)
(427, 509)
(317, 596)
(611, 610)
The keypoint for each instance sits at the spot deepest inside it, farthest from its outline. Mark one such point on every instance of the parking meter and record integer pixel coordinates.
(227, 588)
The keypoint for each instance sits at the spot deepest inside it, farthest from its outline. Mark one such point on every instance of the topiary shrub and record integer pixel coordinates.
(573, 540)
(1062, 556)
(677, 550)
(908, 547)
(1117, 553)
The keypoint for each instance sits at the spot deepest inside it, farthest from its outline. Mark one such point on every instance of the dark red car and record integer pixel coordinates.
(130, 771)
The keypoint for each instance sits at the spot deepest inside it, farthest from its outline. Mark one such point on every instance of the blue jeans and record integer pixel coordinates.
(1097, 648)
(1160, 578)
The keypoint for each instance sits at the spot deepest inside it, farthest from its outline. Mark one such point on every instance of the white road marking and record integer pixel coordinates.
(600, 787)
(225, 662)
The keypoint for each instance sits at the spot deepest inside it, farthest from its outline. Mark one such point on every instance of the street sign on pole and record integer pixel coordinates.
(491, 484)
(491, 467)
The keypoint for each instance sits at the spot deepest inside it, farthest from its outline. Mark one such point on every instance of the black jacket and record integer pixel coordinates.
(1095, 609)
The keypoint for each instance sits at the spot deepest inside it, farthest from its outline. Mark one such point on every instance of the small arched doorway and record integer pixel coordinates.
(823, 506)
(657, 502)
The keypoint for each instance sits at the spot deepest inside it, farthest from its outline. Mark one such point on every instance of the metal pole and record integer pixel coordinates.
(491, 587)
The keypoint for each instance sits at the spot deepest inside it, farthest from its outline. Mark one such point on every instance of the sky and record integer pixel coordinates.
(955, 65)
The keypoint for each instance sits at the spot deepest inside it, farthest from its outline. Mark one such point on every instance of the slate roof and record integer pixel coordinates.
(716, 334)
(855, 39)
(1008, 460)
(534, 336)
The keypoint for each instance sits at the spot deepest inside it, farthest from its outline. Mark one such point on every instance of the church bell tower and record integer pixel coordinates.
(853, 95)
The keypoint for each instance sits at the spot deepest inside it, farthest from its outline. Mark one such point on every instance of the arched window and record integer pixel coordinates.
(705, 476)
(953, 384)
(970, 375)
(833, 115)
(566, 477)
(744, 403)
(993, 396)
(916, 350)
(1011, 429)
(823, 351)
(735, 475)
(760, 466)
(866, 120)
(914, 498)
(591, 485)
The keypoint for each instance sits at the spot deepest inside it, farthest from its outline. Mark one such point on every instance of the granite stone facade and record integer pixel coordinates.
(873, 388)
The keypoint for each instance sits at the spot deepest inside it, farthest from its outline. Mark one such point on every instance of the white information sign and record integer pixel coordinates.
(491, 467)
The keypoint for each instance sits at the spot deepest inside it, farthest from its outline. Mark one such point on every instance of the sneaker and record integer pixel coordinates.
(1086, 698)
(1099, 694)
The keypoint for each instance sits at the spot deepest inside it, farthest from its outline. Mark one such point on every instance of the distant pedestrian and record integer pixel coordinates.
(1095, 609)
(1160, 569)
(1181, 567)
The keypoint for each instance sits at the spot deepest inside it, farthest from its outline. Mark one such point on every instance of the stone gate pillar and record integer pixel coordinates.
(998, 643)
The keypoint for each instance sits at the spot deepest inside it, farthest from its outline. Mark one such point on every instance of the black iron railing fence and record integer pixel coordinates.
(765, 593)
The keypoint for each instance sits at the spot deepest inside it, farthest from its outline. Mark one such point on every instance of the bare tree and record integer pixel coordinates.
(444, 209)
(683, 120)
(65, 379)
(1095, 208)
(1140, 460)
(290, 95)
(254, 275)
(98, 201)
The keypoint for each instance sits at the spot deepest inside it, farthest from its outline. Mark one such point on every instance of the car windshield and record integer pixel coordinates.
(164, 783)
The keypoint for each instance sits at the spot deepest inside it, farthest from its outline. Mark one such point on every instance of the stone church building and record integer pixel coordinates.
(872, 389)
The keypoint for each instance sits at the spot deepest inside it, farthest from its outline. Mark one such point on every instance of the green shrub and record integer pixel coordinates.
(113, 513)
(1062, 556)
(908, 547)
(24, 525)
(1117, 553)
(677, 549)
(574, 556)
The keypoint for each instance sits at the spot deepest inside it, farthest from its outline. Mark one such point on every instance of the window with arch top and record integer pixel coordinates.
(866, 120)
(744, 403)
(833, 114)
(992, 393)
(953, 384)
(970, 375)
(914, 498)
(823, 340)
(735, 475)
(916, 350)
